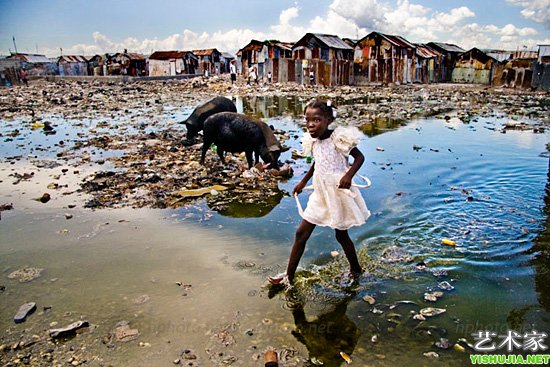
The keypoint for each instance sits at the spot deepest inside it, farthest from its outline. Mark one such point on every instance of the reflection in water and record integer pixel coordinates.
(271, 106)
(541, 248)
(327, 334)
(237, 207)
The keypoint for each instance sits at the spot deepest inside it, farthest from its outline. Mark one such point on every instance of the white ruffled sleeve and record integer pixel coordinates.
(307, 143)
(345, 139)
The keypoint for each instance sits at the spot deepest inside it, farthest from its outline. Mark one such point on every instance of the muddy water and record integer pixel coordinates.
(192, 279)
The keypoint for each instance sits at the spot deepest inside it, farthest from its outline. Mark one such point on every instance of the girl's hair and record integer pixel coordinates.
(326, 108)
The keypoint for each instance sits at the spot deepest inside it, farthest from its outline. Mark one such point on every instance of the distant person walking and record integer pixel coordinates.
(311, 77)
(24, 76)
(233, 72)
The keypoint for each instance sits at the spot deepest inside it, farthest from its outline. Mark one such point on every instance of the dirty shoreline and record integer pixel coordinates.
(116, 149)
(155, 167)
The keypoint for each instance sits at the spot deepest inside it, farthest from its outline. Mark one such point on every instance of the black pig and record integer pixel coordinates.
(195, 121)
(235, 132)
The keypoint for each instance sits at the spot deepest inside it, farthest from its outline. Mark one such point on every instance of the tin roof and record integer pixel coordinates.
(326, 40)
(426, 51)
(72, 58)
(447, 47)
(31, 58)
(165, 55)
(253, 45)
(206, 52)
(394, 40)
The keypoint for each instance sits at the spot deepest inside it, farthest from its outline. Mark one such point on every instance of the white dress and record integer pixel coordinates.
(328, 205)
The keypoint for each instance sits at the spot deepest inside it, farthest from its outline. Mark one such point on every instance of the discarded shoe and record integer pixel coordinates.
(25, 310)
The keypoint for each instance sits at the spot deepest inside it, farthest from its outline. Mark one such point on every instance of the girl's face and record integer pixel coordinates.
(316, 122)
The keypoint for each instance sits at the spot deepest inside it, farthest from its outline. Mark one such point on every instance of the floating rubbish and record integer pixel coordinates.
(379, 149)
(446, 286)
(198, 192)
(419, 317)
(346, 357)
(67, 330)
(432, 297)
(334, 253)
(443, 343)
(24, 311)
(430, 311)
(431, 355)
(448, 242)
(369, 299)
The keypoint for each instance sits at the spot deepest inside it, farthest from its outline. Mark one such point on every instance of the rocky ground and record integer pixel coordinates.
(155, 168)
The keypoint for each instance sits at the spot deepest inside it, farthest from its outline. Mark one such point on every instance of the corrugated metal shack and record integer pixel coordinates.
(255, 53)
(428, 64)
(9, 72)
(474, 67)
(98, 64)
(450, 53)
(72, 65)
(127, 63)
(384, 59)
(36, 65)
(268, 56)
(517, 71)
(279, 60)
(328, 56)
(163, 63)
(541, 74)
(209, 59)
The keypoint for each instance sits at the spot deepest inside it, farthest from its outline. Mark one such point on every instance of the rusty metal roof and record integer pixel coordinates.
(253, 45)
(72, 58)
(426, 51)
(448, 47)
(31, 58)
(165, 55)
(206, 52)
(326, 40)
(394, 40)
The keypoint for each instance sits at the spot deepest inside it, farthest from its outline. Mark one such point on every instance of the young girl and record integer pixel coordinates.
(334, 202)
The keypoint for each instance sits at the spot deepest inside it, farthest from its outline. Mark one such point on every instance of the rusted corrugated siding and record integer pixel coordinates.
(473, 67)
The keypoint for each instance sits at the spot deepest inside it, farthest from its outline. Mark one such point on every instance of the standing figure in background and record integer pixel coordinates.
(24, 76)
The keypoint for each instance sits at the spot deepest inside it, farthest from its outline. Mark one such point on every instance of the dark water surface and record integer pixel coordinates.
(431, 179)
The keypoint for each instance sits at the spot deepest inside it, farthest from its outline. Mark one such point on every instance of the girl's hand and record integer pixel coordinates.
(345, 182)
(298, 188)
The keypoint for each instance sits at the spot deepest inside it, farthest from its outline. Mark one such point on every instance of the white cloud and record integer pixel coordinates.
(536, 10)
(347, 18)
(287, 15)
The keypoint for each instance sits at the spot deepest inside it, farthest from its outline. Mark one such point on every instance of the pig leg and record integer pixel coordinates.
(221, 154)
(248, 154)
(205, 145)
(256, 156)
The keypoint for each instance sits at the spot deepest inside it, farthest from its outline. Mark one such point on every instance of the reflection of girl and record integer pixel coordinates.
(334, 203)
(327, 335)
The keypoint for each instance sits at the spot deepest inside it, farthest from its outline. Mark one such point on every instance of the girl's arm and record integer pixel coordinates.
(358, 159)
(300, 186)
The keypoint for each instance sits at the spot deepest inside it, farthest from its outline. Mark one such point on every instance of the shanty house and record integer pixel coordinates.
(428, 64)
(517, 70)
(72, 65)
(36, 65)
(209, 60)
(98, 64)
(127, 63)
(385, 59)
(474, 66)
(266, 57)
(162, 63)
(9, 71)
(541, 74)
(450, 53)
(253, 54)
(328, 56)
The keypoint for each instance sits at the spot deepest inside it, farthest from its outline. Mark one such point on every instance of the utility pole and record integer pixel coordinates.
(14, 45)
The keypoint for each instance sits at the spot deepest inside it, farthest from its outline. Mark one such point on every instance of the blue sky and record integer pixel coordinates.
(99, 26)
